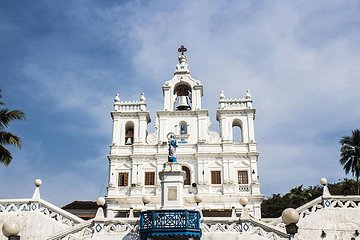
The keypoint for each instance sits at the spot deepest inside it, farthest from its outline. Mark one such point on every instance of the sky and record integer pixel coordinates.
(62, 62)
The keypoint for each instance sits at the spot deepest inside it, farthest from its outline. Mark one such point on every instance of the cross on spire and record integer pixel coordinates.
(182, 49)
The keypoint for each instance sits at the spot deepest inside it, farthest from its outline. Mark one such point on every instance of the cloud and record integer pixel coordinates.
(303, 76)
(63, 67)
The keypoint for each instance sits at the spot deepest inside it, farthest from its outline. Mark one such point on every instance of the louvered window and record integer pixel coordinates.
(149, 178)
(215, 177)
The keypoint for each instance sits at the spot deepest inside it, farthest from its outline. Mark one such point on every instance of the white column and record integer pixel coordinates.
(250, 121)
(142, 129)
(166, 91)
(116, 131)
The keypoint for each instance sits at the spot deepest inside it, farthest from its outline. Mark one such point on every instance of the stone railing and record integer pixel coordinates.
(88, 229)
(129, 106)
(235, 104)
(252, 226)
(321, 203)
(303, 210)
(343, 202)
(31, 205)
(244, 188)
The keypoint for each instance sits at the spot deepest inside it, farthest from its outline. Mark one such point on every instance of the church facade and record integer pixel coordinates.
(221, 167)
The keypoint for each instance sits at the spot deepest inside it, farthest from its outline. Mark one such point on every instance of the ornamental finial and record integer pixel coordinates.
(182, 49)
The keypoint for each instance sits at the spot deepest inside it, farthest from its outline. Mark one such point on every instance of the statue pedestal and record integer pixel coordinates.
(172, 184)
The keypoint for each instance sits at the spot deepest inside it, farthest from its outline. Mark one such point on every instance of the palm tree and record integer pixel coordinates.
(350, 155)
(7, 138)
(299, 196)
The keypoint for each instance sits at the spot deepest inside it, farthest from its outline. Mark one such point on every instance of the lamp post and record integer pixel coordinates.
(290, 217)
(11, 230)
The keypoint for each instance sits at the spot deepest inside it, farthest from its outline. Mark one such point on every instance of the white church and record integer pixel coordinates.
(183, 181)
(217, 166)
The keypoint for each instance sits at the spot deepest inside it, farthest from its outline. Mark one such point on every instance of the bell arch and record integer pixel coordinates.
(237, 132)
(129, 133)
(183, 96)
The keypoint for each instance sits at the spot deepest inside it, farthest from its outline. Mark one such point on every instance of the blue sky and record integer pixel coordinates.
(62, 62)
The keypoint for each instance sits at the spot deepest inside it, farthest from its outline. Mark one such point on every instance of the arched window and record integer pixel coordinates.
(183, 127)
(237, 131)
(187, 180)
(183, 96)
(129, 133)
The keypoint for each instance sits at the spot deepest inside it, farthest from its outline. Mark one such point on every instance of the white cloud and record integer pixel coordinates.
(303, 85)
(299, 59)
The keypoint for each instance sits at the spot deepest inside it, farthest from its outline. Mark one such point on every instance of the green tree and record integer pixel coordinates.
(299, 196)
(7, 138)
(350, 155)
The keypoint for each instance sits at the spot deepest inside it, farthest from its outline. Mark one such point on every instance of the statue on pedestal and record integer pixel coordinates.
(172, 147)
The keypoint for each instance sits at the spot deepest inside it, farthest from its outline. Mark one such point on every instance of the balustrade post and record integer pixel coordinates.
(326, 196)
(245, 217)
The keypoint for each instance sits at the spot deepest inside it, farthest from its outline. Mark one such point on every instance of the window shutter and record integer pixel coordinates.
(215, 177)
(126, 179)
(123, 180)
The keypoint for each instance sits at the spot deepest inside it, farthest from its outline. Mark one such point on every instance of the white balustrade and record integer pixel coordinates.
(244, 188)
(29, 205)
(235, 103)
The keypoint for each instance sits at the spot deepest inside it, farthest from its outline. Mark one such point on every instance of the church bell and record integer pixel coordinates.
(182, 103)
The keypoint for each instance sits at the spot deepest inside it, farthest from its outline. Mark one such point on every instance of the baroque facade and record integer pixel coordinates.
(220, 166)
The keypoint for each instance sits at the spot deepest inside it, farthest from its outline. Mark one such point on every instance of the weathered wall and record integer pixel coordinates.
(33, 225)
(337, 223)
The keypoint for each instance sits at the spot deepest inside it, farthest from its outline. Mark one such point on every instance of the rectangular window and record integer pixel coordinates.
(243, 177)
(215, 177)
(149, 178)
(123, 179)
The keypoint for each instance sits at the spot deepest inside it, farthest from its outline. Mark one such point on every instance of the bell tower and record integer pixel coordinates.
(182, 92)
(183, 114)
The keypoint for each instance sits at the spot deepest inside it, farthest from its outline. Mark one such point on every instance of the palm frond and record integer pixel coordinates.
(7, 116)
(5, 156)
(350, 153)
(7, 138)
